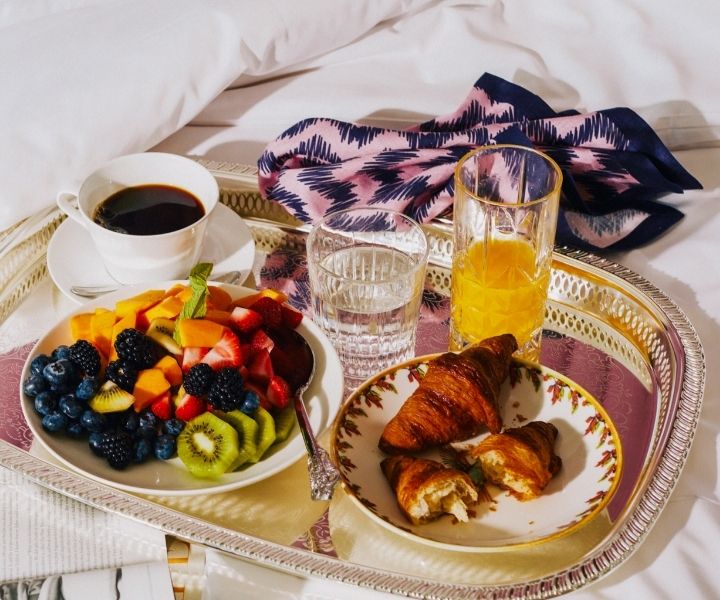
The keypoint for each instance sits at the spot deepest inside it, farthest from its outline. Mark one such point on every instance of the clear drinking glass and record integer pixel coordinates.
(367, 268)
(505, 215)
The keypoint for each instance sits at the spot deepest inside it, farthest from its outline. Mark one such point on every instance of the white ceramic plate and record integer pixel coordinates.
(73, 260)
(588, 445)
(170, 477)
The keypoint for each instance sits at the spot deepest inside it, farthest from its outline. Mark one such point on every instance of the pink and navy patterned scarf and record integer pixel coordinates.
(614, 165)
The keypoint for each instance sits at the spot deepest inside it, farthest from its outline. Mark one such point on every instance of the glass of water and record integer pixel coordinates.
(367, 269)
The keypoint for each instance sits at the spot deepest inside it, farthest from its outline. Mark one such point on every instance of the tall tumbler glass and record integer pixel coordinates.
(505, 214)
(367, 269)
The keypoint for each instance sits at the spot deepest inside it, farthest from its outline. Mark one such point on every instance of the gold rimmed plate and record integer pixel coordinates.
(587, 443)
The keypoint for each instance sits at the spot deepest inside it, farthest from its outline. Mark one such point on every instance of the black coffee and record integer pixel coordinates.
(148, 210)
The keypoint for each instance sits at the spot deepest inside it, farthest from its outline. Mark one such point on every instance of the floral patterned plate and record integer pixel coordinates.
(588, 445)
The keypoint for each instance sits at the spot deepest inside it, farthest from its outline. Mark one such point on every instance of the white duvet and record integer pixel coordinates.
(86, 80)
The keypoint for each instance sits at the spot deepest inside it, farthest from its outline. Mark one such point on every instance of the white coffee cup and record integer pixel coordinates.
(144, 258)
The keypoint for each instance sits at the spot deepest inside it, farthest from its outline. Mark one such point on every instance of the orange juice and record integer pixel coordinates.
(497, 288)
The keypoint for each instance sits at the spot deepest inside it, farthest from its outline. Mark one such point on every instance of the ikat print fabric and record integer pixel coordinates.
(616, 170)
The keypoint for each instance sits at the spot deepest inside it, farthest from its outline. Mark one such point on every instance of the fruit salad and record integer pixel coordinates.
(187, 371)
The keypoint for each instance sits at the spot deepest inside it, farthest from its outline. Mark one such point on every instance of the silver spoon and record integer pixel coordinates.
(293, 359)
(92, 291)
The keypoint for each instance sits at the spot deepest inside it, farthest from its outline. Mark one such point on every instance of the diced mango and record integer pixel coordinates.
(218, 316)
(126, 322)
(185, 294)
(247, 301)
(101, 327)
(138, 303)
(199, 332)
(80, 327)
(218, 298)
(175, 289)
(171, 369)
(168, 308)
(150, 384)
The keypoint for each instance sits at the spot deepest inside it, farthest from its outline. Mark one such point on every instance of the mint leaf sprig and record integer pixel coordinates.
(195, 307)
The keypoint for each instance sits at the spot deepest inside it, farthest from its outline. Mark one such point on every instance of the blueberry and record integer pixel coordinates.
(86, 388)
(131, 421)
(148, 419)
(54, 422)
(61, 352)
(142, 449)
(173, 426)
(164, 447)
(93, 421)
(75, 429)
(250, 402)
(34, 384)
(59, 373)
(95, 441)
(39, 363)
(71, 407)
(145, 432)
(45, 403)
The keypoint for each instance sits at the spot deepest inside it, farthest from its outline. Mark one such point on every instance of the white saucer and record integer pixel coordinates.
(73, 260)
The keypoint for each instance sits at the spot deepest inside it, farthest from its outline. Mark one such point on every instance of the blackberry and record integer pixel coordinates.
(122, 373)
(226, 392)
(117, 448)
(85, 356)
(135, 349)
(198, 380)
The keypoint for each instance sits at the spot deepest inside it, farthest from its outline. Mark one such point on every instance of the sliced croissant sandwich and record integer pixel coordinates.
(456, 400)
(521, 460)
(426, 489)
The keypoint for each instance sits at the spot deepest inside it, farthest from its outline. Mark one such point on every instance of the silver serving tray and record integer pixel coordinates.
(600, 313)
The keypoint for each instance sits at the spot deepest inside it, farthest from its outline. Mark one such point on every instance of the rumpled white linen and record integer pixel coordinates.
(86, 80)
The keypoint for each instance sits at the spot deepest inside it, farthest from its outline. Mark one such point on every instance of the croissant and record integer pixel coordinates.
(456, 400)
(521, 460)
(426, 489)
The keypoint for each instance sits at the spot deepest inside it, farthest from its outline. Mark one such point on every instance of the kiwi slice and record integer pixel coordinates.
(208, 446)
(284, 423)
(161, 330)
(111, 398)
(247, 429)
(266, 431)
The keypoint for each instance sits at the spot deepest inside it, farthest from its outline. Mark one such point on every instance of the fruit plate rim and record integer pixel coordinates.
(171, 478)
(363, 481)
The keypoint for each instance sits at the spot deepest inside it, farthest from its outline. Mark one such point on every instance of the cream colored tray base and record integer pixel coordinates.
(593, 300)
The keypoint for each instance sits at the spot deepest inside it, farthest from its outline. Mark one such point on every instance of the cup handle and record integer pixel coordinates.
(65, 200)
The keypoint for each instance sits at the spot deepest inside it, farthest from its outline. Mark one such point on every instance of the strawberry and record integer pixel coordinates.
(245, 320)
(261, 341)
(192, 355)
(270, 310)
(260, 367)
(188, 407)
(162, 407)
(290, 317)
(278, 392)
(227, 352)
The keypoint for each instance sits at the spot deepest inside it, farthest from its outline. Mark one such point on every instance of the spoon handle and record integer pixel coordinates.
(323, 474)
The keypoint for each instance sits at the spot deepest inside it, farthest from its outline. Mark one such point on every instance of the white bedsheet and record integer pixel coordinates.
(84, 80)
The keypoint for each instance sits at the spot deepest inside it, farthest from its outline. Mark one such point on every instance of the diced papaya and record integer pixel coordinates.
(218, 298)
(184, 294)
(247, 301)
(101, 327)
(138, 303)
(218, 316)
(199, 332)
(168, 308)
(175, 289)
(126, 322)
(80, 327)
(171, 369)
(150, 384)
